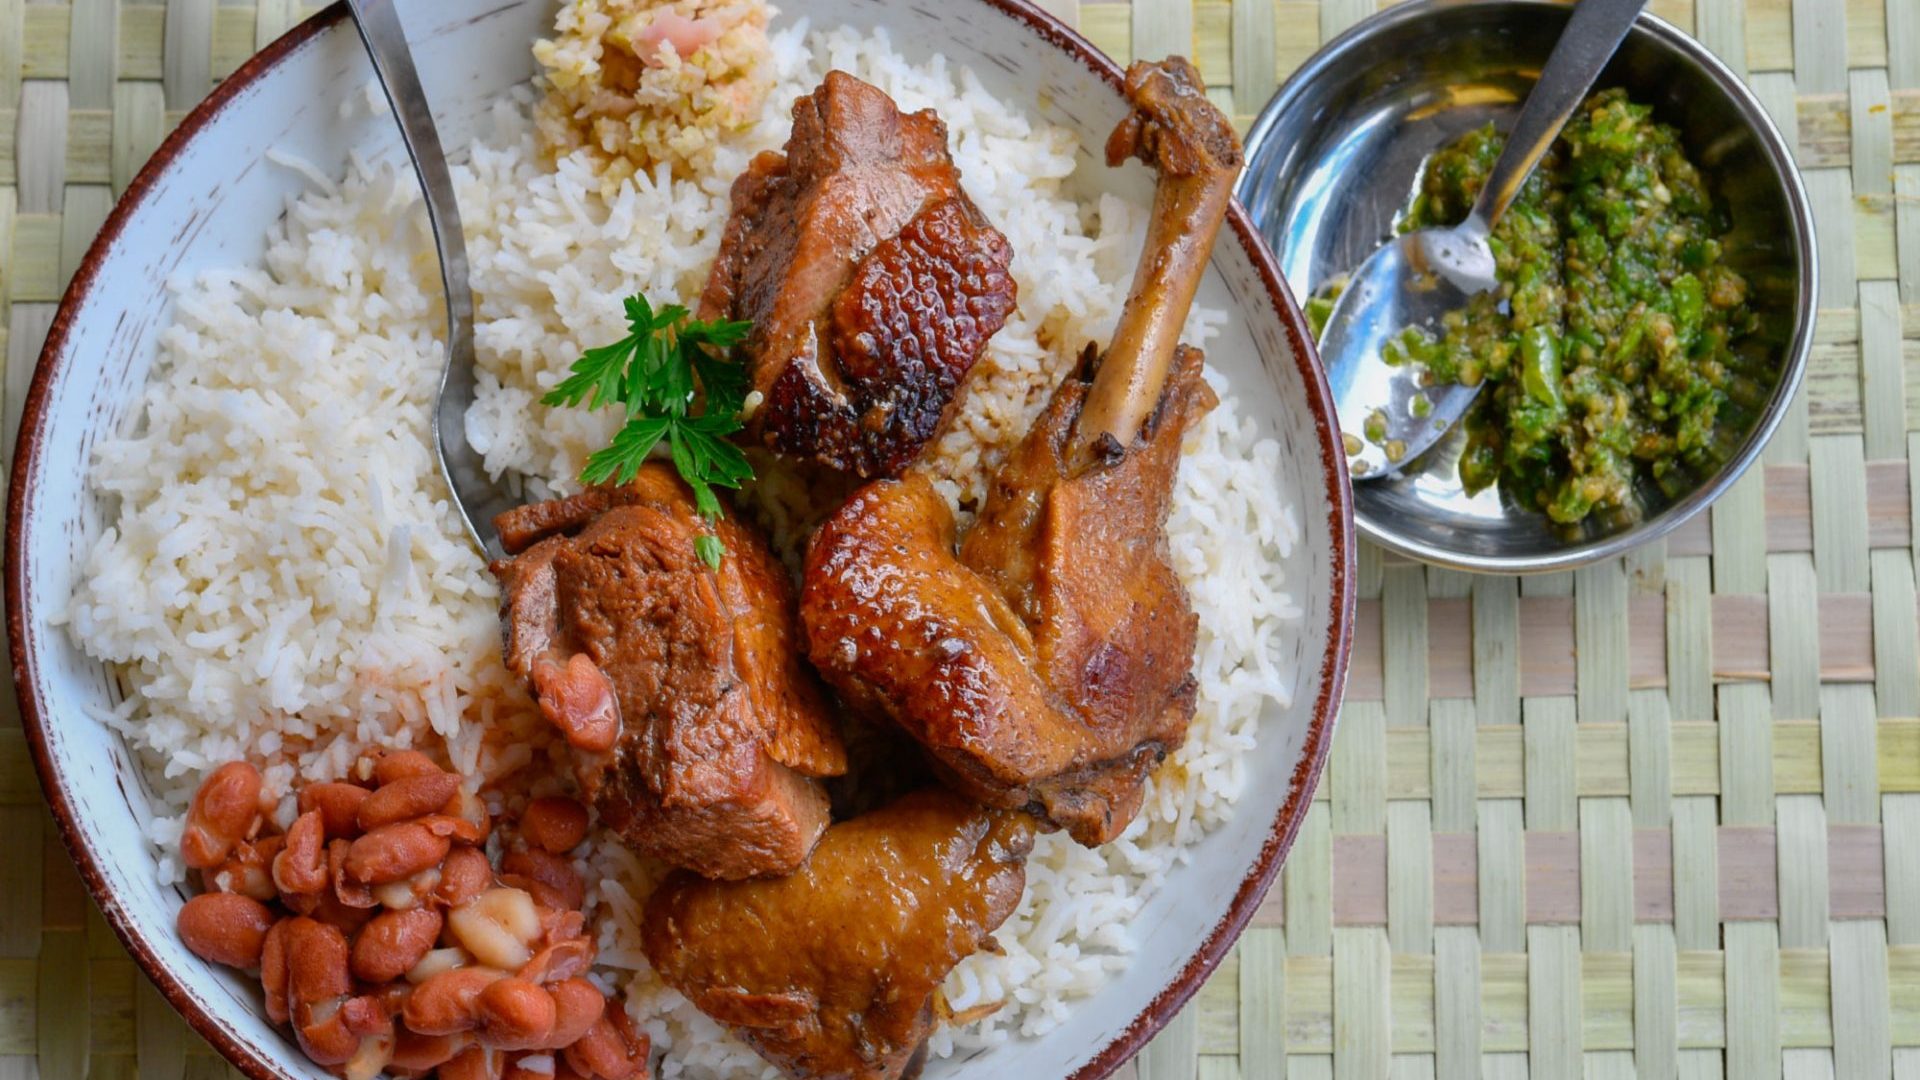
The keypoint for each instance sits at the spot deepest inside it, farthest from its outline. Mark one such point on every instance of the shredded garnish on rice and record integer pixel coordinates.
(639, 83)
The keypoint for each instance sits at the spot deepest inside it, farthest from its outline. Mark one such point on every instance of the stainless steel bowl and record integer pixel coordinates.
(1334, 156)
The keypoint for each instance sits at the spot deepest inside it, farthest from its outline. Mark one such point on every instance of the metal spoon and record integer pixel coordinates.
(1417, 278)
(477, 496)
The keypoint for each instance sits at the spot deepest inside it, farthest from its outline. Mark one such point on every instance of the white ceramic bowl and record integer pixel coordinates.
(206, 200)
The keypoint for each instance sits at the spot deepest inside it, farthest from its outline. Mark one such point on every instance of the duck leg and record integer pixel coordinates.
(1048, 665)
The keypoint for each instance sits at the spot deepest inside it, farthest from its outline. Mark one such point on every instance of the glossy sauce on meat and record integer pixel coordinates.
(1045, 665)
(830, 973)
(872, 281)
(721, 730)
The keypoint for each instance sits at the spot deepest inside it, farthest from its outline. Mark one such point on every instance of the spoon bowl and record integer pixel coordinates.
(1411, 283)
(1389, 415)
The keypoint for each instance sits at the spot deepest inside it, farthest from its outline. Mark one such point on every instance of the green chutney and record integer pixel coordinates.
(1611, 348)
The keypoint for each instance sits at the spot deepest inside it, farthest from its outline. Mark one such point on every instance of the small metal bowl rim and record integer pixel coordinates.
(1793, 364)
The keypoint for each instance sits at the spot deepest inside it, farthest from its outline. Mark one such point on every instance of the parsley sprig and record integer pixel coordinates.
(655, 374)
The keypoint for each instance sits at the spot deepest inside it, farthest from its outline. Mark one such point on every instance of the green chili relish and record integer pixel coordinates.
(1608, 348)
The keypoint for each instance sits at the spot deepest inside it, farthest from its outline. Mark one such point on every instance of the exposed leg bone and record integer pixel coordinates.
(1179, 133)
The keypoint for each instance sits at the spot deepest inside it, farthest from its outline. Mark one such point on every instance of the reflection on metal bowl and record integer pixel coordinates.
(1335, 155)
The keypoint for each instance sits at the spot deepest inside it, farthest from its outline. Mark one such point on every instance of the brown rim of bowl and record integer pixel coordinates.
(1252, 888)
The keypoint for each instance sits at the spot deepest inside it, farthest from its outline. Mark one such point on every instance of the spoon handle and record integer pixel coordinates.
(386, 42)
(1594, 32)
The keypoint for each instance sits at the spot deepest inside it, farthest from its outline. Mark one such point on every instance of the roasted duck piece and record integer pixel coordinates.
(698, 732)
(830, 973)
(871, 280)
(1047, 664)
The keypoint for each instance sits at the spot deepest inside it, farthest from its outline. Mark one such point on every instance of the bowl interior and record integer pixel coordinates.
(208, 200)
(1337, 157)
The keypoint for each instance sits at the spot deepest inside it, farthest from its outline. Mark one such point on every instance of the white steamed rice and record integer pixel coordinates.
(285, 579)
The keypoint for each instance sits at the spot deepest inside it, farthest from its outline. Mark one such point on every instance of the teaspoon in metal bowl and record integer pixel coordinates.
(1417, 278)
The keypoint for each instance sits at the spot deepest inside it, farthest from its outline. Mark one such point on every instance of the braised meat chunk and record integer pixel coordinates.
(698, 732)
(830, 973)
(1046, 663)
(872, 281)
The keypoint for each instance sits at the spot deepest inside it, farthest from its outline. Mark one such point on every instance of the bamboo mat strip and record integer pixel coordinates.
(1656, 818)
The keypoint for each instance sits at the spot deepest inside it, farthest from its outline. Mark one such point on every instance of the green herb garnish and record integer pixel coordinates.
(655, 373)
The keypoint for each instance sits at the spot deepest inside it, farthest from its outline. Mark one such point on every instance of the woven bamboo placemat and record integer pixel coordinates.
(1659, 817)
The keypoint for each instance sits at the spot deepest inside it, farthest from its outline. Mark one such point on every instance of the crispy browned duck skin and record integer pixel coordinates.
(830, 973)
(872, 281)
(1193, 148)
(1048, 665)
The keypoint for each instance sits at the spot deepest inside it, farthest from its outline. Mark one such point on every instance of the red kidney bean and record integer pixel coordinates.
(395, 851)
(554, 824)
(407, 798)
(226, 928)
(221, 815)
(301, 867)
(391, 943)
(339, 806)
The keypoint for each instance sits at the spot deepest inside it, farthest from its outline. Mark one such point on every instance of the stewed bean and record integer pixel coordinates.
(226, 928)
(249, 869)
(405, 948)
(407, 798)
(318, 982)
(417, 1052)
(516, 1014)
(371, 1014)
(301, 866)
(317, 962)
(325, 907)
(464, 875)
(448, 1003)
(323, 1033)
(339, 806)
(551, 870)
(400, 764)
(221, 815)
(273, 971)
(392, 943)
(455, 827)
(395, 851)
(554, 824)
(610, 1050)
(563, 959)
(577, 1006)
(349, 892)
